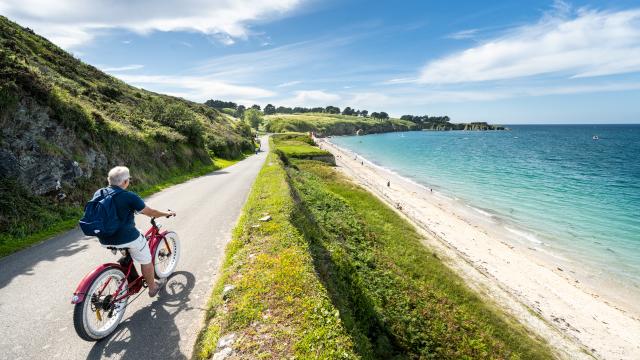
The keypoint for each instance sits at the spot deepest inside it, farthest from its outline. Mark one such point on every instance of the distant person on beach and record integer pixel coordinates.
(388, 183)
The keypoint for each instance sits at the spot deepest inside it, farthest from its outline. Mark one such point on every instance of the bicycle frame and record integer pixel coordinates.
(154, 237)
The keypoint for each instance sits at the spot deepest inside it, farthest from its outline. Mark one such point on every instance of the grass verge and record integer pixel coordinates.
(277, 307)
(55, 219)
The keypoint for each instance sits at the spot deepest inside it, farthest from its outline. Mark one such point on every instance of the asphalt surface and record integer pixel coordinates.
(36, 284)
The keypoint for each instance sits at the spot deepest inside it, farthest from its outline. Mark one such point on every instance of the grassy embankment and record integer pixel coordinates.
(337, 273)
(64, 124)
(333, 124)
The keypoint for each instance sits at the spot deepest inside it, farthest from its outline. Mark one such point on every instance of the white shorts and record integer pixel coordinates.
(138, 248)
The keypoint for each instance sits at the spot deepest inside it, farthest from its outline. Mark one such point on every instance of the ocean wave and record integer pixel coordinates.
(480, 211)
(525, 235)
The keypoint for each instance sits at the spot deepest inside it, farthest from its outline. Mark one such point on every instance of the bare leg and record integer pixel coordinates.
(148, 272)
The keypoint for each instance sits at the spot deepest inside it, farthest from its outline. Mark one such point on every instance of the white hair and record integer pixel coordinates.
(118, 175)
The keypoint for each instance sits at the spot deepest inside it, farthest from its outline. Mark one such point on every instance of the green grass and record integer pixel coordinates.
(395, 296)
(42, 220)
(330, 124)
(278, 308)
(298, 145)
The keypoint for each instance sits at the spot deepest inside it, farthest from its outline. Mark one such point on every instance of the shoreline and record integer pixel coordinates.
(573, 318)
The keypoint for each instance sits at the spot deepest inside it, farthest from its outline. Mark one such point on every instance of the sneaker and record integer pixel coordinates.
(159, 285)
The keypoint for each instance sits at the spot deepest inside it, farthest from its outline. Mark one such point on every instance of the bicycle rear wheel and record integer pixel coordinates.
(97, 315)
(166, 255)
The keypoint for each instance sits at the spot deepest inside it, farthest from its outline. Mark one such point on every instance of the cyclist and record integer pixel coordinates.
(127, 236)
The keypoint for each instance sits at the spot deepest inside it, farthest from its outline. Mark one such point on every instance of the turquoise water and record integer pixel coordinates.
(553, 186)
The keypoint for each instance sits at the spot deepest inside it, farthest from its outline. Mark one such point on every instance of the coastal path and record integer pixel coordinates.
(36, 284)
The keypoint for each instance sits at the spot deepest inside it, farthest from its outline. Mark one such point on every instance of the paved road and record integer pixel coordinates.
(36, 284)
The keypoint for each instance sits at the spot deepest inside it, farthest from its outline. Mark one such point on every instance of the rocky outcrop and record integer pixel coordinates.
(42, 155)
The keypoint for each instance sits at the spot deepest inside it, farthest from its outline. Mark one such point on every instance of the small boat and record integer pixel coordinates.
(595, 137)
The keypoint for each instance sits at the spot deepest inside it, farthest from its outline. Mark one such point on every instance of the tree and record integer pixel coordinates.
(383, 115)
(348, 111)
(364, 113)
(256, 107)
(332, 110)
(219, 104)
(253, 117)
(240, 111)
(269, 109)
(375, 115)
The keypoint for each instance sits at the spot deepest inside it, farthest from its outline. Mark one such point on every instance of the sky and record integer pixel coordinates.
(506, 62)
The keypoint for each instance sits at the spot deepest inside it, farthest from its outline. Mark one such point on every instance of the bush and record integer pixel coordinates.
(8, 98)
(70, 114)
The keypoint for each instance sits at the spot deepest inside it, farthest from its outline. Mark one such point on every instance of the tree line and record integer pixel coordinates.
(271, 109)
(425, 119)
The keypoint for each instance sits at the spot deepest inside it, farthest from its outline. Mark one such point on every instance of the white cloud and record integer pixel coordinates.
(122, 68)
(590, 43)
(70, 23)
(289, 83)
(463, 34)
(196, 88)
(311, 98)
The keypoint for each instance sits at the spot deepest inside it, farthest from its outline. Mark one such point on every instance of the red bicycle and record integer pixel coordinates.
(102, 296)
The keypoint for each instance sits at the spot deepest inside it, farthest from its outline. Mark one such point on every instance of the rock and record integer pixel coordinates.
(265, 218)
(226, 290)
(222, 354)
(227, 340)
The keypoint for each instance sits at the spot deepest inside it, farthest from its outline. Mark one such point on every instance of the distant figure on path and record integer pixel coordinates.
(388, 183)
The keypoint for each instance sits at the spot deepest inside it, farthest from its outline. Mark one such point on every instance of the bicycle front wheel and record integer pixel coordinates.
(98, 315)
(167, 255)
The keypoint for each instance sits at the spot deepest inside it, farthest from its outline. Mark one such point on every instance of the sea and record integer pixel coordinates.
(572, 191)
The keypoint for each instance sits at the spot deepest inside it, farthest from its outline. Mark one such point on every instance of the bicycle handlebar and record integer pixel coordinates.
(153, 219)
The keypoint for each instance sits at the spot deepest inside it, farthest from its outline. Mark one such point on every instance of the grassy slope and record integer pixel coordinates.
(392, 296)
(330, 124)
(56, 109)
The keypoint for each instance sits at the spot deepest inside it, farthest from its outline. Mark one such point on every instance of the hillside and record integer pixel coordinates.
(333, 124)
(65, 123)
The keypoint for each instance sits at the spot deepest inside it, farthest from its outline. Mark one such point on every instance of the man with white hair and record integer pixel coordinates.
(127, 236)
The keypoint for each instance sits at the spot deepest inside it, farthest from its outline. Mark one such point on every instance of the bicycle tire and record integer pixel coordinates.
(174, 243)
(82, 309)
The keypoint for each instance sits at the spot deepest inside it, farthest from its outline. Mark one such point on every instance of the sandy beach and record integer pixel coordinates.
(542, 294)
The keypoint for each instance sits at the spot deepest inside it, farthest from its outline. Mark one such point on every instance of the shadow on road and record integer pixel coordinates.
(23, 262)
(217, 172)
(151, 332)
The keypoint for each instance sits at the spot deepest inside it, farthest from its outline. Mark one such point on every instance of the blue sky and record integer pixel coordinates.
(497, 61)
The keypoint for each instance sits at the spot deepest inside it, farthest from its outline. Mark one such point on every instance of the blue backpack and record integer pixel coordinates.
(100, 215)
